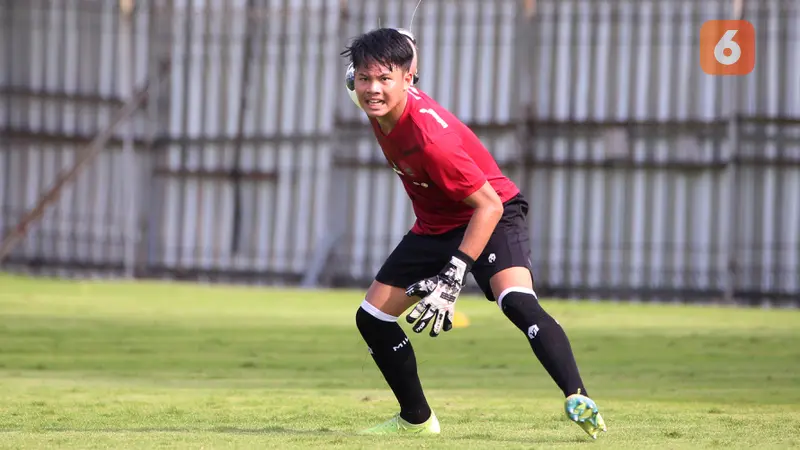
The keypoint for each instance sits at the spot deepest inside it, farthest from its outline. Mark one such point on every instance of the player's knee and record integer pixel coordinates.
(381, 332)
(522, 307)
(372, 322)
(517, 278)
(515, 295)
(368, 313)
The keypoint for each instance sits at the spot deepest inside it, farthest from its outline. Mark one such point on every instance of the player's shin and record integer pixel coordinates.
(545, 336)
(393, 354)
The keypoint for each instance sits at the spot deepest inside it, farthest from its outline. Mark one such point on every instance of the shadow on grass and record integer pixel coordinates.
(274, 430)
(279, 430)
(227, 430)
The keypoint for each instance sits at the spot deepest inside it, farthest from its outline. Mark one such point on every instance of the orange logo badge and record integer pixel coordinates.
(727, 47)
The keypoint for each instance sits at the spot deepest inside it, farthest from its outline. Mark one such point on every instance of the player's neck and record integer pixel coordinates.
(389, 121)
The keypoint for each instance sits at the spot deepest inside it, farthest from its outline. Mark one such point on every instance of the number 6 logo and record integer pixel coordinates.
(727, 47)
(727, 43)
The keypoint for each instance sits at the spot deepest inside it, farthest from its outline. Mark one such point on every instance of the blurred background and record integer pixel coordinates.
(213, 140)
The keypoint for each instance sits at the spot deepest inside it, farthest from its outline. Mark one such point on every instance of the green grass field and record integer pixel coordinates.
(148, 365)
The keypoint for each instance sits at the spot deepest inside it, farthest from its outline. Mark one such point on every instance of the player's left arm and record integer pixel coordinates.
(460, 178)
(456, 173)
(488, 209)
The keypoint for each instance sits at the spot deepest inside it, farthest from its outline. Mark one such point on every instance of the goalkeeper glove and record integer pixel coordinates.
(439, 294)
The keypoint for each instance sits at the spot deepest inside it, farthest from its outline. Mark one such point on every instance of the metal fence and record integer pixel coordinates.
(647, 178)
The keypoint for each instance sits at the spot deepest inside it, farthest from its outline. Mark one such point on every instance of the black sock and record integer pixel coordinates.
(547, 339)
(392, 352)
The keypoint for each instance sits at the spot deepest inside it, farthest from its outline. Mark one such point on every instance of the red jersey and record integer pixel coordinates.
(440, 162)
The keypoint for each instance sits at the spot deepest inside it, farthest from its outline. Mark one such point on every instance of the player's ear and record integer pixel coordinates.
(408, 80)
(414, 63)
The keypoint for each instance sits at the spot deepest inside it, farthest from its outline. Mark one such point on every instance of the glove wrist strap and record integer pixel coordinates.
(465, 258)
(463, 264)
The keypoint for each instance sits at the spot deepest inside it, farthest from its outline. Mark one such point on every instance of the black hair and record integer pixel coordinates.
(385, 46)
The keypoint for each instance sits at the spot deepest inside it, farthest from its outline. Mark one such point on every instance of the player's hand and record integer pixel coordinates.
(439, 294)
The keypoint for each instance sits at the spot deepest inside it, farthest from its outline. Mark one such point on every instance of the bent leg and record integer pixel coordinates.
(391, 349)
(503, 273)
(415, 258)
(549, 343)
(513, 290)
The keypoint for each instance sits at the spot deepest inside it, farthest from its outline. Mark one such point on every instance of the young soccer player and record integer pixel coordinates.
(470, 218)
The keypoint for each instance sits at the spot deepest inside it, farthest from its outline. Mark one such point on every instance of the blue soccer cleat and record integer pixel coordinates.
(583, 411)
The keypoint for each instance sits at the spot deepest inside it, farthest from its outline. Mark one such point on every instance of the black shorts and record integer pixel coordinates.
(421, 256)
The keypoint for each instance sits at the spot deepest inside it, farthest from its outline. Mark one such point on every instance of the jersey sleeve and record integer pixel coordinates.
(451, 168)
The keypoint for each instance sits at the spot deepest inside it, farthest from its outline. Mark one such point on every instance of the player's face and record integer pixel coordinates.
(380, 90)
